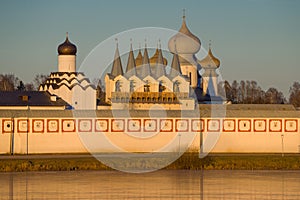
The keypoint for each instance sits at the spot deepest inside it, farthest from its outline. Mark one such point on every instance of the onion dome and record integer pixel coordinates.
(153, 59)
(67, 48)
(186, 41)
(210, 61)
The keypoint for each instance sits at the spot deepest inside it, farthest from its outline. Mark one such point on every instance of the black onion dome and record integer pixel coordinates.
(67, 48)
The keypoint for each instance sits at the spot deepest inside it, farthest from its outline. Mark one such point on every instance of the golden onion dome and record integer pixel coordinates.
(210, 61)
(67, 48)
(153, 59)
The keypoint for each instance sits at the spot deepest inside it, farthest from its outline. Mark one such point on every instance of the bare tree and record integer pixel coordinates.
(295, 94)
(273, 96)
(99, 90)
(234, 87)
(8, 82)
(37, 81)
(248, 92)
(226, 88)
(29, 87)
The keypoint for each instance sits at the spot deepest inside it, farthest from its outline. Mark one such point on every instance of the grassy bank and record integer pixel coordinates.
(238, 162)
(52, 164)
(186, 161)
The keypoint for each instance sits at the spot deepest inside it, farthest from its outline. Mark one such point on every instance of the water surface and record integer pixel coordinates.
(164, 184)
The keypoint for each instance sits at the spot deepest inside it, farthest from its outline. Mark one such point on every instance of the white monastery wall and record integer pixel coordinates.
(61, 135)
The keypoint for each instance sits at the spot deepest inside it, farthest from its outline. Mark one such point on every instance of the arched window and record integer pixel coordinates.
(117, 86)
(161, 88)
(147, 88)
(176, 86)
(132, 86)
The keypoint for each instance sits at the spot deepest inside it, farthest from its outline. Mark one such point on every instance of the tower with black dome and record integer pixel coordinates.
(72, 86)
(67, 56)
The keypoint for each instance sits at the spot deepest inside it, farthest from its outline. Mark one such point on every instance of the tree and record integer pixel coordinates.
(273, 96)
(295, 94)
(29, 87)
(260, 99)
(222, 86)
(248, 92)
(241, 92)
(21, 86)
(8, 82)
(38, 80)
(225, 87)
(234, 88)
(99, 90)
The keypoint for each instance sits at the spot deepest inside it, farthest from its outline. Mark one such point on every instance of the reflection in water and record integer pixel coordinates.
(164, 184)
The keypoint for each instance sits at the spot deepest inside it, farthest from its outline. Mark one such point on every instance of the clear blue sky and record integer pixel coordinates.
(255, 40)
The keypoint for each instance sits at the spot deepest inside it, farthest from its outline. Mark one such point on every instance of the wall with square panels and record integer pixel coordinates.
(62, 135)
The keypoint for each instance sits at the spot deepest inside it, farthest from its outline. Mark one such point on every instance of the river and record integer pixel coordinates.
(163, 184)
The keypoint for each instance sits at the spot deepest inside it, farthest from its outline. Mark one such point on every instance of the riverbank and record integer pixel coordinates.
(188, 161)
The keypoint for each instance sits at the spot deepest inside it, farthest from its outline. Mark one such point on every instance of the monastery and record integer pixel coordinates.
(151, 105)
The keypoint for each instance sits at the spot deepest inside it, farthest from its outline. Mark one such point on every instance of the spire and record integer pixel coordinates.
(145, 57)
(209, 48)
(117, 64)
(146, 65)
(184, 29)
(139, 57)
(175, 66)
(160, 68)
(130, 69)
(160, 59)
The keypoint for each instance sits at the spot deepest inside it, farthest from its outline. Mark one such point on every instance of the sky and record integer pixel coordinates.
(255, 40)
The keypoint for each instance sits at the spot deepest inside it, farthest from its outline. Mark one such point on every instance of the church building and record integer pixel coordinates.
(146, 83)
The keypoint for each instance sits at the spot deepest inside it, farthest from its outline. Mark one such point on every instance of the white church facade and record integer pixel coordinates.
(146, 82)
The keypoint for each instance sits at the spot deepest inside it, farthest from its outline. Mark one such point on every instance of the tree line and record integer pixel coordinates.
(9, 82)
(243, 92)
(249, 92)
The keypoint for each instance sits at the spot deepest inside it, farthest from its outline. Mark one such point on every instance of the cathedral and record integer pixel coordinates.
(145, 82)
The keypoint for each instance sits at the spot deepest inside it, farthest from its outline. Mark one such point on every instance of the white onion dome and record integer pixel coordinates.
(67, 48)
(184, 42)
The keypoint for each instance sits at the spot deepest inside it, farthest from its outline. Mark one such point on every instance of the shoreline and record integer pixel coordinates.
(188, 161)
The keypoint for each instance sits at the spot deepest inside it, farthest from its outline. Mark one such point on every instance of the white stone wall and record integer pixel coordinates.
(65, 135)
(83, 99)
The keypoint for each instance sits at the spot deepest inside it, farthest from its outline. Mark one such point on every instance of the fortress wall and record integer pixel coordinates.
(80, 135)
